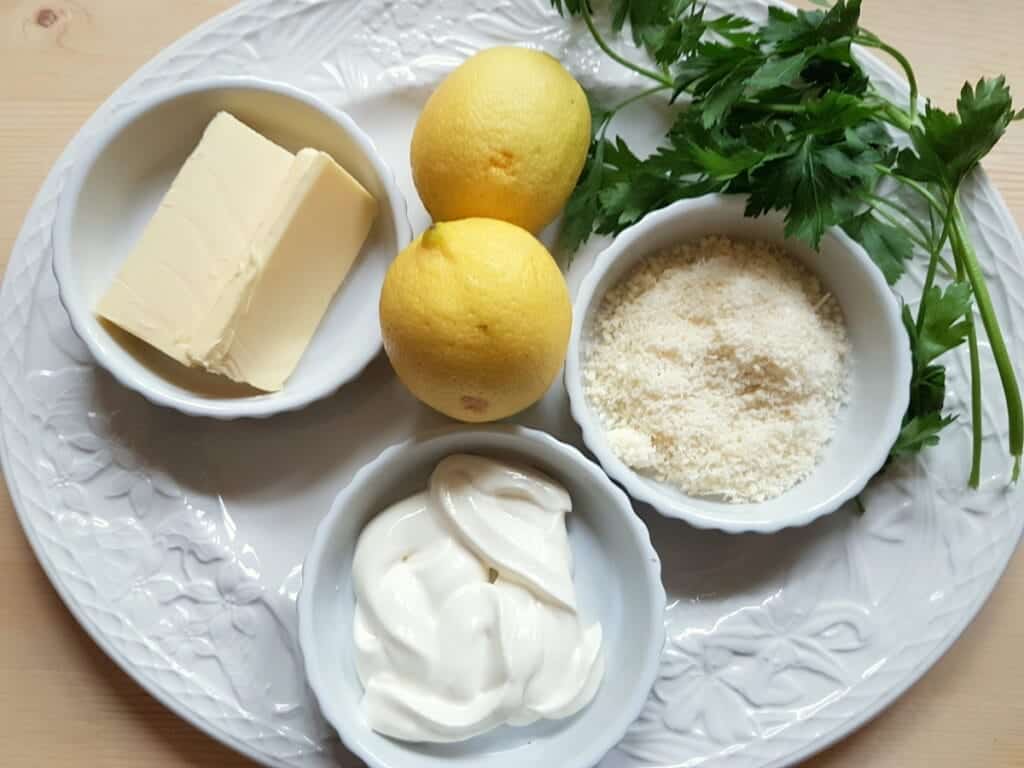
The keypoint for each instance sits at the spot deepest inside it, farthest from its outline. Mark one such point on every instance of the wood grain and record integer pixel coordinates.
(63, 703)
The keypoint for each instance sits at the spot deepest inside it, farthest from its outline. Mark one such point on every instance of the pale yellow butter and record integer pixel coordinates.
(240, 262)
(192, 246)
(305, 248)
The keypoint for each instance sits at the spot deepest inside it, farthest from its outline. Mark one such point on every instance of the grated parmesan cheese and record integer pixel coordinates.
(718, 367)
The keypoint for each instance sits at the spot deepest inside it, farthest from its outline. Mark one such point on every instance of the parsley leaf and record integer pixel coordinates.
(794, 32)
(820, 184)
(888, 246)
(583, 208)
(783, 113)
(945, 326)
(920, 432)
(947, 146)
(777, 72)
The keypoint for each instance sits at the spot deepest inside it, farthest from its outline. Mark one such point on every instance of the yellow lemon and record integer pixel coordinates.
(504, 136)
(475, 316)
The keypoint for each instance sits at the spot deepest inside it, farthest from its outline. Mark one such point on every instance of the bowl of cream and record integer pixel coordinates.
(481, 596)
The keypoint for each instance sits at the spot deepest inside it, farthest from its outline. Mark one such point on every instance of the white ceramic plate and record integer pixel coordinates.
(177, 542)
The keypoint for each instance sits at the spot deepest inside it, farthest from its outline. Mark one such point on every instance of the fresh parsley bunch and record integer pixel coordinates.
(784, 114)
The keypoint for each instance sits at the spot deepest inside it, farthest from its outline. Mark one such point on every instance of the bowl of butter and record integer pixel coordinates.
(481, 596)
(221, 246)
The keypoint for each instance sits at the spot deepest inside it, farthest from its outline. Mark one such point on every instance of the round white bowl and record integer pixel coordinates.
(879, 368)
(618, 582)
(115, 188)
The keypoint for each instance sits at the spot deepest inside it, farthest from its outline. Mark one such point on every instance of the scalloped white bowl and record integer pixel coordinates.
(116, 186)
(879, 369)
(618, 582)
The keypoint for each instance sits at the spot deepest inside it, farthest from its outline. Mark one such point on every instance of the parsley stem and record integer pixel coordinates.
(946, 266)
(922, 308)
(936, 256)
(924, 241)
(897, 116)
(871, 40)
(633, 99)
(977, 434)
(659, 77)
(760, 106)
(1004, 365)
(898, 224)
(921, 189)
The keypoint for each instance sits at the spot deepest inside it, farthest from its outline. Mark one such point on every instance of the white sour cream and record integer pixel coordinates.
(466, 609)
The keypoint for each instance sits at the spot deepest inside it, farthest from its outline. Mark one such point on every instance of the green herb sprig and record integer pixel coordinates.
(784, 114)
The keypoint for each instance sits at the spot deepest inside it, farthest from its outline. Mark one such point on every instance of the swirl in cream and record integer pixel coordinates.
(466, 613)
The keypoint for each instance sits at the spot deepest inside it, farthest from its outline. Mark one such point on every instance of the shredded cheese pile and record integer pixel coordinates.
(719, 367)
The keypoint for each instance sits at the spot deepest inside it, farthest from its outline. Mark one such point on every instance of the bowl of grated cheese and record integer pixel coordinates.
(731, 377)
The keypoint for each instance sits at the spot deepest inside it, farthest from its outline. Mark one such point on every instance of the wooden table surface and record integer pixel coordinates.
(63, 703)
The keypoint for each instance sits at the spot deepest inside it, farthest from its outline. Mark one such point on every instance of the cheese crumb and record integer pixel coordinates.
(719, 367)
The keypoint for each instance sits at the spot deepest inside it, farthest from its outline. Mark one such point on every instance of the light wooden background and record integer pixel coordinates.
(63, 703)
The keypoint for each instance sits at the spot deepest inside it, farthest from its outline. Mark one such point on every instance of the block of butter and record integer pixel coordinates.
(242, 258)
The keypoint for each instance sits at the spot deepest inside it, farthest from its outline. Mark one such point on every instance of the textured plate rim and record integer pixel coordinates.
(95, 634)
